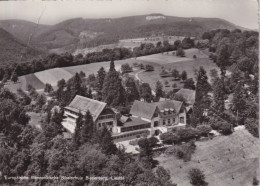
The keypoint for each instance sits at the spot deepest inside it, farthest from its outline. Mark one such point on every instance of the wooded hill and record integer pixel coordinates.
(68, 34)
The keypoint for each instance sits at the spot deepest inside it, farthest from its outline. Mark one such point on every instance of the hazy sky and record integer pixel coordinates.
(240, 12)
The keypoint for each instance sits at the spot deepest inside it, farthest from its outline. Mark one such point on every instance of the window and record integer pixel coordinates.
(99, 125)
(181, 119)
(163, 122)
(156, 124)
(169, 121)
(173, 120)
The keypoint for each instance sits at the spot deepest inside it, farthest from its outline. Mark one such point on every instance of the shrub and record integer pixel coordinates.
(197, 177)
(204, 129)
(222, 126)
(194, 56)
(164, 73)
(180, 52)
(153, 141)
(166, 83)
(149, 68)
(187, 134)
(125, 68)
(183, 151)
(252, 126)
(48, 88)
(134, 142)
(169, 138)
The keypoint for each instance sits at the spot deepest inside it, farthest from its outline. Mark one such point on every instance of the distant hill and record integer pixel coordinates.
(12, 49)
(22, 29)
(81, 33)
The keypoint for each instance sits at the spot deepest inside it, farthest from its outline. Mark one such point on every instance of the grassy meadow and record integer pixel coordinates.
(225, 160)
(166, 61)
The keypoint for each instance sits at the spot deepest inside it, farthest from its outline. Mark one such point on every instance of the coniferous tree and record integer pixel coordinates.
(213, 75)
(239, 103)
(189, 84)
(77, 132)
(106, 142)
(14, 77)
(219, 95)
(48, 88)
(223, 59)
(159, 89)
(184, 75)
(201, 97)
(87, 129)
(132, 93)
(76, 85)
(100, 80)
(113, 92)
(146, 92)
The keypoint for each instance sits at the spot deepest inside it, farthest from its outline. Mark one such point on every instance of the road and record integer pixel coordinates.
(137, 77)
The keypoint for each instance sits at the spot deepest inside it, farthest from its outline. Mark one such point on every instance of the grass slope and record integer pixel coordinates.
(220, 159)
(52, 76)
(24, 81)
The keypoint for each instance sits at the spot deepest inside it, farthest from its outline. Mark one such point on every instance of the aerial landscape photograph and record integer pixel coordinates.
(129, 92)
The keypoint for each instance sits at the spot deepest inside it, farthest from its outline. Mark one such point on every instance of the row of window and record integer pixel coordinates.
(132, 128)
(109, 116)
(69, 116)
(71, 112)
(110, 123)
(168, 121)
(131, 134)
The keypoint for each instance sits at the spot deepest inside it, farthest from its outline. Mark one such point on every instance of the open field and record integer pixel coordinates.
(220, 159)
(92, 68)
(189, 66)
(167, 61)
(52, 76)
(169, 58)
(24, 81)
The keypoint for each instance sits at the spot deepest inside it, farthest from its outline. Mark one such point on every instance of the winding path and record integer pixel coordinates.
(137, 77)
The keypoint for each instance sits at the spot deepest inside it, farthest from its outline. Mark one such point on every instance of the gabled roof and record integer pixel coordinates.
(169, 104)
(143, 109)
(84, 104)
(188, 95)
(124, 119)
(135, 121)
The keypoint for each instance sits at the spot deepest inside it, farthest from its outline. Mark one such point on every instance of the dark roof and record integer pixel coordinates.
(169, 104)
(143, 109)
(134, 121)
(188, 95)
(146, 110)
(84, 104)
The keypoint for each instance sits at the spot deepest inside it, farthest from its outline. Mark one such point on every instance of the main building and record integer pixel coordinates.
(145, 119)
